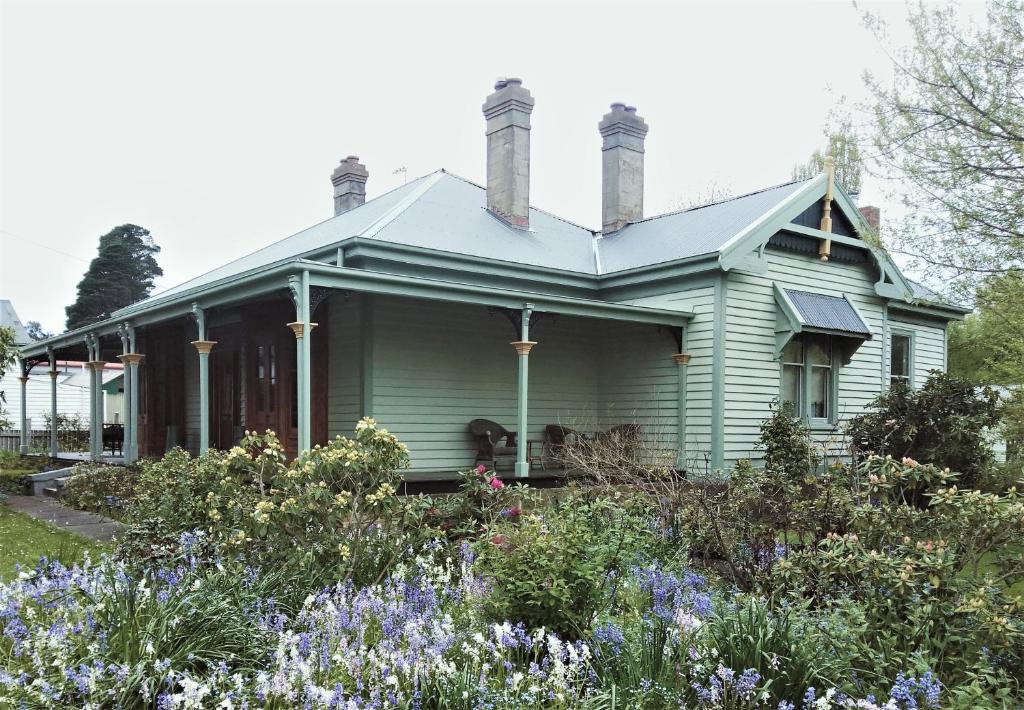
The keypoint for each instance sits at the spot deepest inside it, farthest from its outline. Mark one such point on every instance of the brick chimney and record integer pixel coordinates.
(622, 167)
(349, 180)
(873, 216)
(507, 112)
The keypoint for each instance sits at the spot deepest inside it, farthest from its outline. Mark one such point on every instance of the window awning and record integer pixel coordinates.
(809, 312)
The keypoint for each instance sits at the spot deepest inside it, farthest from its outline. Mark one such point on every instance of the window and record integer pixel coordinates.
(808, 378)
(899, 358)
(819, 358)
(793, 374)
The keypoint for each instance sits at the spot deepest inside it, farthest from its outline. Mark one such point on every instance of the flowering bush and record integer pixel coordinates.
(933, 582)
(482, 500)
(945, 422)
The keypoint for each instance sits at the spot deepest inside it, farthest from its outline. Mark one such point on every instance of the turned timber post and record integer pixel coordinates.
(54, 443)
(523, 346)
(203, 347)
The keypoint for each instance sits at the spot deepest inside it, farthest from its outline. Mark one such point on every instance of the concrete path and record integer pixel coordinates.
(90, 525)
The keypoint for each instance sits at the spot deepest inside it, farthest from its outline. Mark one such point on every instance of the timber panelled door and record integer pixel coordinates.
(271, 403)
(227, 399)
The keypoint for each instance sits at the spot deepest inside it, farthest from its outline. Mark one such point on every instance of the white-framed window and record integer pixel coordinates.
(808, 376)
(901, 358)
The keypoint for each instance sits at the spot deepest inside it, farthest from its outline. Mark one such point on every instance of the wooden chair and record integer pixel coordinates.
(556, 439)
(487, 435)
(113, 437)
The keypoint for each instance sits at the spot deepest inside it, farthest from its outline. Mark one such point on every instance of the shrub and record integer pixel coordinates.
(551, 570)
(789, 450)
(331, 513)
(96, 487)
(933, 582)
(945, 423)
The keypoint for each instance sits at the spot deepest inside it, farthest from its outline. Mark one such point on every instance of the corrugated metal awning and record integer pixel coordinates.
(831, 313)
(810, 312)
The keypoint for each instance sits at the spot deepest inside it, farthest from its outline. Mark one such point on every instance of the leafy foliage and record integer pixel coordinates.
(944, 422)
(949, 125)
(121, 274)
(8, 354)
(843, 146)
(99, 488)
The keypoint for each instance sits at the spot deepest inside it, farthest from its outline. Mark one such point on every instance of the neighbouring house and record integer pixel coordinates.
(445, 301)
(72, 385)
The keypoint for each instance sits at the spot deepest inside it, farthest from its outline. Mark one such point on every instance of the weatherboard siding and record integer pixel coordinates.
(344, 366)
(700, 336)
(438, 366)
(929, 347)
(752, 374)
(639, 383)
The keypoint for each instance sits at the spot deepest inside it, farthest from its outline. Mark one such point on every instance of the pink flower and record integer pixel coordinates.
(481, 468)
(496, 483)
(499, 540)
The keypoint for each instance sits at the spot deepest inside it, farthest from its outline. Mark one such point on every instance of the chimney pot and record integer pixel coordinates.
(507, 112)
(622, 167)
(349, 180)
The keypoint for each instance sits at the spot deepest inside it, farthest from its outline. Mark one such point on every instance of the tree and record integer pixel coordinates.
(121, 274)
(949, 127)
(988, 346)
(844, 148)
(35, 330)
(8, 354)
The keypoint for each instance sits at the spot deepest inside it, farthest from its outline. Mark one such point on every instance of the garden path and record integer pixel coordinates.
(90, 525)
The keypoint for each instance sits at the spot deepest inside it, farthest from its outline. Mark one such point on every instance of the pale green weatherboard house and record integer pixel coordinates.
(444, 301)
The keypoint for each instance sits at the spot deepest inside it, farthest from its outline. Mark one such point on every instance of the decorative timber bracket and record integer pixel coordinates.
(515, 317)
(675, 332)
(200, 315)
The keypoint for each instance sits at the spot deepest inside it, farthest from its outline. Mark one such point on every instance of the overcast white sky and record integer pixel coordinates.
(216, 124)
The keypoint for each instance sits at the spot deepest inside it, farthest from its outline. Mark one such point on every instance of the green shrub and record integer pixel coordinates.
(332, 513)
(551, 570)
(934, 581)
(788, 447)
(99, 488)
(945, 423)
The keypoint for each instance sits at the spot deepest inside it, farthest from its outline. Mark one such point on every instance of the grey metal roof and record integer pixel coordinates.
(446, 213)
(923, 293)
(9, 319)
(692, 232)
(818, 310)
(439, 211)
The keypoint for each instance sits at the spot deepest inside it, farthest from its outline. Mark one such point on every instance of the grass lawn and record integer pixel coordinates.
(24, 540)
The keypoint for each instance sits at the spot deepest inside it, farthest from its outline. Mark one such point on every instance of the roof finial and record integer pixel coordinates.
(825, 249)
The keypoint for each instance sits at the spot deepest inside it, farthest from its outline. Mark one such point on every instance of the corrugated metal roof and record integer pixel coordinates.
(692, 232)
(9, 319)
(438, 211)
(922, 292)
(447, 213)
(452, 216)
(818, 310)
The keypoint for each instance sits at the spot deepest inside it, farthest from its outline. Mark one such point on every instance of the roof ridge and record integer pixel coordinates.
(722, 201)
(593, 232)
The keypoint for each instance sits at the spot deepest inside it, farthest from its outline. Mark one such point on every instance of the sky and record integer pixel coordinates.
(216, 124)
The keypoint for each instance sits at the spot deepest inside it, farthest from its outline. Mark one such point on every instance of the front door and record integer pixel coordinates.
(270, 398)
(227, 396)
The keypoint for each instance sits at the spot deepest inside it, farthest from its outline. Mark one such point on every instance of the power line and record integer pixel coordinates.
(44, 246)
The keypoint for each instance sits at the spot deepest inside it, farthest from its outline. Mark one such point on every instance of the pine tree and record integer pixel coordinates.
(121, 274)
